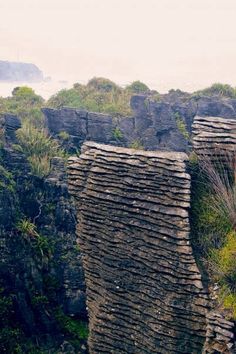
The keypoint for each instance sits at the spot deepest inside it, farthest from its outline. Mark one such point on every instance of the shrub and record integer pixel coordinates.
(99, 95)
(6, 180)
(218, 89)
(117, 134)
(229, 301)
(224, 260)
(78, 329)
(38, 147)
(137, 145)
(138, 87)
(27, 228)
(25, 103)
(102, 84)
(64, 135)
(181, 126)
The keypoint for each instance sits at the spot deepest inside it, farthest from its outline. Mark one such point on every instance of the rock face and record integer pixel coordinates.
(220, 337)
(16, 71)
(144, 290)
(213, 135)
(165, 124)
(40, 276)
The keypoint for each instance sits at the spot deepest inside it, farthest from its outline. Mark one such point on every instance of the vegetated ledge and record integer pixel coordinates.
(144, 290)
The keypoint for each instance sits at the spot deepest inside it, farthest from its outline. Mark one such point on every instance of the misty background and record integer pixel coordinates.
(186, 44)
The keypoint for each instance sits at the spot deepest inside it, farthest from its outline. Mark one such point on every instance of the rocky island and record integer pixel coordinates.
(17, 71)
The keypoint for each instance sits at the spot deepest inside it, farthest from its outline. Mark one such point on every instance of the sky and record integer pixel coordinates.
(186, 44)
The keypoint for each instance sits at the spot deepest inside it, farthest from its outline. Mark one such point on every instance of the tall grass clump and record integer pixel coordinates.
(38, 147)
(214, 211)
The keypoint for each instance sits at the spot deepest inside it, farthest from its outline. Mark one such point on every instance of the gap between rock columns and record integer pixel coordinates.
(144, 289)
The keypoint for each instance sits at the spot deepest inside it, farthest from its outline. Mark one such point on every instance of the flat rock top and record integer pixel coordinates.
(180, 156)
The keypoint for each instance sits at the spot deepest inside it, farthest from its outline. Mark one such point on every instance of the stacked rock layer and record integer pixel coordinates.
(214, 139)
(144, 290)
(214, 135)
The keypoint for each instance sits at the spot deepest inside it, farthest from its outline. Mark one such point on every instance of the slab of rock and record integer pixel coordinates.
(144, 290)
(213, 135)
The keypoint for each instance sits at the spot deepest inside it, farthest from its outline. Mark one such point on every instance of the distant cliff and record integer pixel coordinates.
(16, 71)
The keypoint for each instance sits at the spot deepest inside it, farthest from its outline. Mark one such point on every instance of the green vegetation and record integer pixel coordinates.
(24, 103)
(117, 134)
(64, 135)
(26, 228)
(138, 87)
(181, 126)
(217, 89)
(213, 222)
(99, 95)
(39, 300)
(6, 180)
(38, 147)
(76, 330)
(137, 145)
(40, 243)
(12, 337)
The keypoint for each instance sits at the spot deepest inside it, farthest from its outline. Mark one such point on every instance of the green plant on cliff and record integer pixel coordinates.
(64, 135)
(26, 228)
(137, 87)
(6, 180)
(217, 89)
(214, 221)
(137, 145)
(75, 329)
(181, 126)
(38, 147)
(117, 134)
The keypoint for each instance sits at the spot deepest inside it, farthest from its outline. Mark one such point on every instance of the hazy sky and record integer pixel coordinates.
(165, 43)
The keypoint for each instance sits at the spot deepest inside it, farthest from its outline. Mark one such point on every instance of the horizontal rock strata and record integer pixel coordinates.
(220, 337)
(144, 290)
(214, 135)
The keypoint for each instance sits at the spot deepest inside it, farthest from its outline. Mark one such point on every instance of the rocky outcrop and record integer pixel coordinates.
(213, 135)
(220, 336)
(161, 124)
(144, 289)
(43, 274)
(16, 71)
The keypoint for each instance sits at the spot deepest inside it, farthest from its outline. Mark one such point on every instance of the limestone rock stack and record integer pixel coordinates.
(214, 135)
(144, 290)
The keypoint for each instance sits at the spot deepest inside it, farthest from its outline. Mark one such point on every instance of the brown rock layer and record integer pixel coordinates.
(144, 290)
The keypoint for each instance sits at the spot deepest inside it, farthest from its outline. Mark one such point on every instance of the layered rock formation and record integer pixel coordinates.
(220, 336)
(165, 124)
(213, 135)
(144, 290)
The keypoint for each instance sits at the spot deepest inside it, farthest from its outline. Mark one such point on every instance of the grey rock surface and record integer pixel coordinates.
(152, 126)
(29, 273)
(144, 289)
